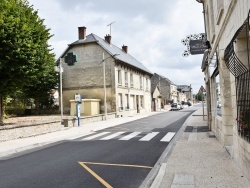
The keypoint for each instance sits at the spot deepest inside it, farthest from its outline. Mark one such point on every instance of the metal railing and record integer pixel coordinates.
(242, 83)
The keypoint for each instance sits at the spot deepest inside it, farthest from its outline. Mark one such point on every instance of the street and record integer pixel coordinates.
(120, 156)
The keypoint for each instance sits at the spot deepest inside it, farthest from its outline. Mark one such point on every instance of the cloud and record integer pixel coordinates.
(151, 29)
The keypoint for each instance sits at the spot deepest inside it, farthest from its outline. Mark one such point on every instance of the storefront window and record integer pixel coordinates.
(217, 95)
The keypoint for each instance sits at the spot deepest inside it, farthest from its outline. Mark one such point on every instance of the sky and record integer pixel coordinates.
(152, 30)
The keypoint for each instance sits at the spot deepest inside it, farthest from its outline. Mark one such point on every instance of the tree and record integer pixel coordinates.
(40, 86)
(200, 96)
(24, 49)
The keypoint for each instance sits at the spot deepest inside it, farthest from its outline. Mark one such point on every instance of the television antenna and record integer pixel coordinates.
(109, 25)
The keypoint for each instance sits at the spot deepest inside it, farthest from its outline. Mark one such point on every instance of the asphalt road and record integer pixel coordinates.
(120, 156)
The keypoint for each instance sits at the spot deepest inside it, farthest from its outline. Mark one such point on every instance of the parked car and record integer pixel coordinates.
(175, 106)
(189, 103)
(218, 104)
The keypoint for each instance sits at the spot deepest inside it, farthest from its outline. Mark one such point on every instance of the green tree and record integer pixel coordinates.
(200, 96)
(24, 51)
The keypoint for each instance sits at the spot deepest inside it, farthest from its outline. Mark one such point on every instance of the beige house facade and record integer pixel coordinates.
(156, 99)
(226, 66)
(127, 81)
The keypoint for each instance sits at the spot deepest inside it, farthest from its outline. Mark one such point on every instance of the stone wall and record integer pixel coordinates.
(11, 132)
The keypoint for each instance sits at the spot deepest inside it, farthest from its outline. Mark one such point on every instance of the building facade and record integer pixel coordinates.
(127, 81)
(187, 90)
(167, 88)
(226, 66)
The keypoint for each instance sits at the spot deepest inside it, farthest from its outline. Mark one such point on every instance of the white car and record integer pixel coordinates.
(175, 106)
(218, 104)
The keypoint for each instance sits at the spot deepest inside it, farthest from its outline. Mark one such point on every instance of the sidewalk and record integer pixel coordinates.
(199, 161)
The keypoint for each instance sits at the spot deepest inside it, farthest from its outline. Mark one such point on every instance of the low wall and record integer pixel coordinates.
(11, 132)
(73, 122)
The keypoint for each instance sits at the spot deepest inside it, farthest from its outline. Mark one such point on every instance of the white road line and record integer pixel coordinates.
(168, 137)
(95, 136)
(133, 134)
(75, 137)
(112, 136)
(149, 136)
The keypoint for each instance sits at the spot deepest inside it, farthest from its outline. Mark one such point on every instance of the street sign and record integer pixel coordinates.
(78, 98)
(197, 46)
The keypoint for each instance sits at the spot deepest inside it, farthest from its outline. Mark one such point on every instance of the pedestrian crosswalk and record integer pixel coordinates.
(124, 136)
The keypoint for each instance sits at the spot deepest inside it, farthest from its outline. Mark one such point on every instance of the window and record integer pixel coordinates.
(131, 80)
(141, 101)
(120, 107)
(217, 95)
(126, 79)
(126, 102)
(119, 77)
(210, 22)
(131, 102)
(147, 88)
(140, 82)
(220, 9)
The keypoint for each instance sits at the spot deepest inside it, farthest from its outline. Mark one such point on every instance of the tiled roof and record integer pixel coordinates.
(112, 50)
(163, 77)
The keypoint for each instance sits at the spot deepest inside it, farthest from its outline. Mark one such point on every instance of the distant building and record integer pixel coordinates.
(156, 99)
(187, 90)
(167, 88)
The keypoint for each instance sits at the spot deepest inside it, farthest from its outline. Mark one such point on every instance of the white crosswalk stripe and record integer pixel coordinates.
(95, 136)
(168, 137)
(149, 136)
(104, 136)
(112, 136)
(128, 137)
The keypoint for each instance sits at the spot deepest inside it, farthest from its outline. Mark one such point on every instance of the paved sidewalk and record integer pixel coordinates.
(199, 161)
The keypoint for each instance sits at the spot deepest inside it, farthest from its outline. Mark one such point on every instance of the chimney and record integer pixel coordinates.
(125, 49)
(108, 38)
(82, 32)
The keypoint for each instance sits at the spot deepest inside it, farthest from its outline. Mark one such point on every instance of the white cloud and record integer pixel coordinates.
(151, 29)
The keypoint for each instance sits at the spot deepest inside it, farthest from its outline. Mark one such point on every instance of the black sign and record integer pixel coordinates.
(70, 58)
(197, 46)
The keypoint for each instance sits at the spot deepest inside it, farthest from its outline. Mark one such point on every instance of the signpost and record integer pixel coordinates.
(196, 44)
(78, 99)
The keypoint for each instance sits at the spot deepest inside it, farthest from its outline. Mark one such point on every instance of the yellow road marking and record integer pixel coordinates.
(108, 164)
(95, 175)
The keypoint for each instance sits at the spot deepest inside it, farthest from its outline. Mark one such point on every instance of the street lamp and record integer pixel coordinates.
(104, 82)
(59, 69)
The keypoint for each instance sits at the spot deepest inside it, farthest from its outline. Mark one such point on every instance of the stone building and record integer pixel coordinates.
(186, 90)
(226, 66)
(127, 80)
(156, 99)
(167, 88)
